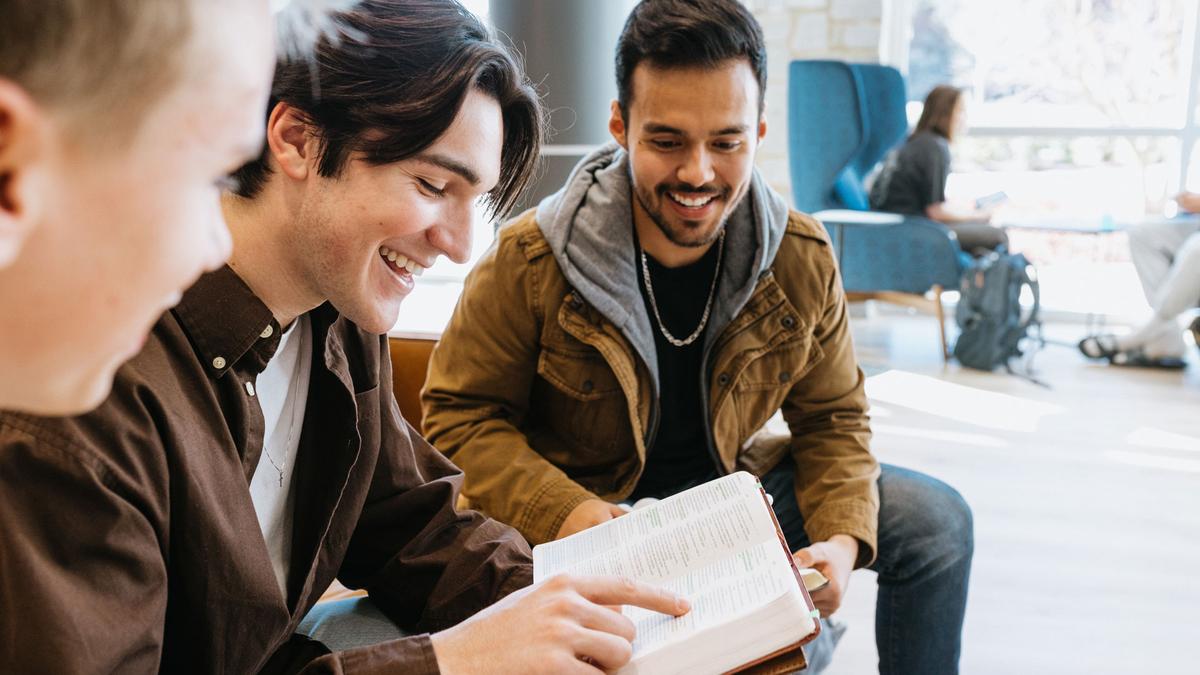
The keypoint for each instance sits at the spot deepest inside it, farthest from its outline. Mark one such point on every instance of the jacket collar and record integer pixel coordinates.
(588, 225)
(227, 323)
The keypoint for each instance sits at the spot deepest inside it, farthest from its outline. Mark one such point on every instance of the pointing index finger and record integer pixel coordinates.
(608, 590)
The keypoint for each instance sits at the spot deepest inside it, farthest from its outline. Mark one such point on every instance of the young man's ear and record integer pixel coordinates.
(292, 146)
(23, 140)
(762, 123)
(616, 126)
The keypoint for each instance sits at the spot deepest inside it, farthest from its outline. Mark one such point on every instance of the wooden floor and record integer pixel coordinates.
(1086, 498)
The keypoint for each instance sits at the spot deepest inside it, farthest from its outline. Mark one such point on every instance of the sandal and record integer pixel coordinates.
(1137, 358)
(1102, 346)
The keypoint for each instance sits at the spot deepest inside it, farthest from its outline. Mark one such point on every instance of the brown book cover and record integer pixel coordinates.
(791, 658)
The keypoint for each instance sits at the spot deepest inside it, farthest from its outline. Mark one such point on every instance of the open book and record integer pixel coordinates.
(718, 545)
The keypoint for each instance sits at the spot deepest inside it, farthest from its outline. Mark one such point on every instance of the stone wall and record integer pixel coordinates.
(807, 29)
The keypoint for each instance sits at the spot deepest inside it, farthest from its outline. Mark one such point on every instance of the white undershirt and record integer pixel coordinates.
(282, 390)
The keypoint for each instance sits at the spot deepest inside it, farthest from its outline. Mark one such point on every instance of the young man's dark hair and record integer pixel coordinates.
(385, 100)
(685, 33)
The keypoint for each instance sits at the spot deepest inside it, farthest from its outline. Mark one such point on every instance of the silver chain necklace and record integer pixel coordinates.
(707, 305)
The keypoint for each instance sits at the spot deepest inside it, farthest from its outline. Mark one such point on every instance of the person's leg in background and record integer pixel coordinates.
(979, 238)
(1165, 255)
(926, 542)
(1167, 258)
(1152, 248)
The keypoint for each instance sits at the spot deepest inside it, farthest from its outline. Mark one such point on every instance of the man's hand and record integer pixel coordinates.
(561, 625)
(590, 512)
(1188, 201)
(835, 559)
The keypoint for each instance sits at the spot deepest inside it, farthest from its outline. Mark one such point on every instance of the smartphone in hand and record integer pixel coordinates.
(991, 201)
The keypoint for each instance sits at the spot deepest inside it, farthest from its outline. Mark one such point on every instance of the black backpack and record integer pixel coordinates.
(989, 311)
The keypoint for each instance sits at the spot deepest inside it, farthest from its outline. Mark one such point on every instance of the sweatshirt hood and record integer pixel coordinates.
(589, 226)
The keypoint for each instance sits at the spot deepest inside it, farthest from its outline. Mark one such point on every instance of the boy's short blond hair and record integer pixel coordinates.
(99, 60)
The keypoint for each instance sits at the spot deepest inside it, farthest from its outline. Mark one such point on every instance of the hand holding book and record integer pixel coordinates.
(589, 513)
(835, 560)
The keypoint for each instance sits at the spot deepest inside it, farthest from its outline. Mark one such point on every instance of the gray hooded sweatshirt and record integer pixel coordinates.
(589, 226)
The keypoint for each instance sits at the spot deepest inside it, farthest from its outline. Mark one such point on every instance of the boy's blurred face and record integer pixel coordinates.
(116, 231)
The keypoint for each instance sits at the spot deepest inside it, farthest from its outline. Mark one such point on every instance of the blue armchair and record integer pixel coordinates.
(842, 119)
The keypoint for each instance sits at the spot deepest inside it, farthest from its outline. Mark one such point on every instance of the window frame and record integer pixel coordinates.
(896, 36)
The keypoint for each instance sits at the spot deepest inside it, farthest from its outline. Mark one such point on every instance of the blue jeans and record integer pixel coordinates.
(926, 540)
(347, 624)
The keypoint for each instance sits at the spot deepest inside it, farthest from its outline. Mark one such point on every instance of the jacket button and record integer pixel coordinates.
(723, 379)
(785, 376)
(588, 386)
(789, 321)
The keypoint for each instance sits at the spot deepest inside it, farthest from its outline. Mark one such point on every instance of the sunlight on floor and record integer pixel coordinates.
(955, 437)
(958, 402)
(1154, 461)
(1157, 438)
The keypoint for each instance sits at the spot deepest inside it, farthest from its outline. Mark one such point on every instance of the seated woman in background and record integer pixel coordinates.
(913, 179)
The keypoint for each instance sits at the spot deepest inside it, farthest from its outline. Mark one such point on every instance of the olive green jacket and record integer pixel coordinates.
(544, 403)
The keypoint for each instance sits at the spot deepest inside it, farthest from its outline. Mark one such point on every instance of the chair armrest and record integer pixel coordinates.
(851, 217)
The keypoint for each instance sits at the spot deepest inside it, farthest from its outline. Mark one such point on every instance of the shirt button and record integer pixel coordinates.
(219, 362)
(723, 379)
(789, 321)
(250, 388)
(785, 376)
(267, 332)
(588, 386)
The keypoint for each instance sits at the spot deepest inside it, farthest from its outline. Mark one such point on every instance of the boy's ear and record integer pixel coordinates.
(24, 139)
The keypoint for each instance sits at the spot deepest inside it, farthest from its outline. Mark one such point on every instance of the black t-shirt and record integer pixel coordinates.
(914, 176)
(679, 456)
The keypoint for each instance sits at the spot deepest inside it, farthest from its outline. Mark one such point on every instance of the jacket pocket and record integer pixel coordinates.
(766, 381)
(579, 407)
(584, 376)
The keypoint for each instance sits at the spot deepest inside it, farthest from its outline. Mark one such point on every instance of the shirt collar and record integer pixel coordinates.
(227, 322)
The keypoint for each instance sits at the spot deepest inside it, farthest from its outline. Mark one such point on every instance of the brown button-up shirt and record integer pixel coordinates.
(129, 541)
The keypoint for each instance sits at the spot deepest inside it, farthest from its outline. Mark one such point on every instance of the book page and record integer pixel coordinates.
(720, 593)
(666, 539)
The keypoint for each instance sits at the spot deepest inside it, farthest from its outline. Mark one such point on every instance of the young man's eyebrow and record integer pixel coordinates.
(656, 128)
(449, 164)
(731, 131)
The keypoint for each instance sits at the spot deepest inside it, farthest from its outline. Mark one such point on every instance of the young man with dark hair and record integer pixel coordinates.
(253, 452)
(117, 118)
(632, 336)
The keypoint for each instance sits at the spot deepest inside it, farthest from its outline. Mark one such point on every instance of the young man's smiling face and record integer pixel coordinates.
(691, 134)
(363, 236)
(119, 228)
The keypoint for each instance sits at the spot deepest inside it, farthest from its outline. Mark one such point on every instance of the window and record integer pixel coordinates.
(1084, 109)
(427, 309)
